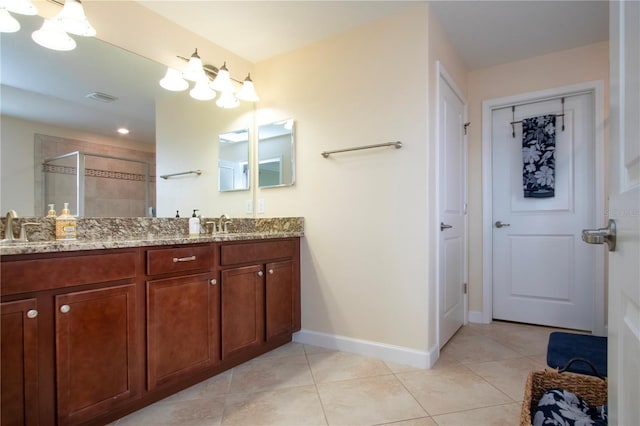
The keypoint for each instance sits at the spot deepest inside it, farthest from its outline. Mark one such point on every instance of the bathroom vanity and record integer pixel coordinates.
(90, 335)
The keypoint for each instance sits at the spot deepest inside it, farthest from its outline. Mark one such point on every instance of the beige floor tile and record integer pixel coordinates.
(401, 368)
(335, 366)
(499, 415)
(289, 349)
(311, 349)
(292, 406)
(452, 391)
(526, 340)
(472, 348)
(508, 375)
(210, 388)
(196, 412)
(368, 401)
(271, 373)
(422, 421)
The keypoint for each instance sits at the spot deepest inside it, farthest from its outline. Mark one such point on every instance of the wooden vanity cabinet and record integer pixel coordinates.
(18, 366)
(86, 363)
(260, 293)
(183, 313)
(95, 351)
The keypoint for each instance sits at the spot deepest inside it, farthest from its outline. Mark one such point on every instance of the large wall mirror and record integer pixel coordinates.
(276, 156)
(43, 89)
(233, 161)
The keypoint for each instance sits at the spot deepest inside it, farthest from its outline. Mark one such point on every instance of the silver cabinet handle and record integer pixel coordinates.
(183, 259)
(213, 281)
(270, 271)
(444, 226)
(32, 313)
(260, 273)
(500, 224)
(65, 308)
(601, 235)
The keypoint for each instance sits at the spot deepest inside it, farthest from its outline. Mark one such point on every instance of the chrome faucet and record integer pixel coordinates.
(8, 230)
(222, 223)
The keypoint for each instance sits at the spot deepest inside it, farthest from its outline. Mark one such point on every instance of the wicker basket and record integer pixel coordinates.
(591, 389)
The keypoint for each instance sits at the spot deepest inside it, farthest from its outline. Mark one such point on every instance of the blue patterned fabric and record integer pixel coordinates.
(539, 156)
(559, 407)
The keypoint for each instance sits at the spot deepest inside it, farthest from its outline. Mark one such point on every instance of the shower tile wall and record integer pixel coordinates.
(113, 188)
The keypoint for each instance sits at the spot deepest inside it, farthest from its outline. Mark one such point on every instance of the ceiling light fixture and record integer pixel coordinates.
(209, 80)
(123, 131)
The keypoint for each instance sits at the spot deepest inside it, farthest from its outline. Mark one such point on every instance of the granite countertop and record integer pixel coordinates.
(112, 233)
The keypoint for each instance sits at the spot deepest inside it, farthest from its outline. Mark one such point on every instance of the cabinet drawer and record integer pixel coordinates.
(24, 276)
(256, 252)
(179, 259)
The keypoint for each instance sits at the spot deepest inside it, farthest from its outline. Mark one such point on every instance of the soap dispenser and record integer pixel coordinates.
(52, 211)
(66, 225)
(194, 225)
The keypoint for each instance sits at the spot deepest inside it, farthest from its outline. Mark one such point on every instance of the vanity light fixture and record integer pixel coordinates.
(8, 24)
(123, 130)
(248, 91)
(52, 36)
(173, 81)
(73, 19)
(194, 71)
(22, 7)
(201, 91)
(209, 80)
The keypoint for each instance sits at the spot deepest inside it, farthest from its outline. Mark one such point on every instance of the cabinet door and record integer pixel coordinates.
(279, 298)
(95, 354)
(242, 300)
(18, 367)
(182, 326)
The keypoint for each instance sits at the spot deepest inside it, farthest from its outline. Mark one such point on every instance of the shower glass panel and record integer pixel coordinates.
(97, 185)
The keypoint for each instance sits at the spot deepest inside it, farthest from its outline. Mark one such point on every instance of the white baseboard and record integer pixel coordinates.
(476, 317)
(392, 353)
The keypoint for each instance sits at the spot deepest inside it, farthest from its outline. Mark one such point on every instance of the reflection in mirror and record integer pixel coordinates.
(276, 162)
(233, 161)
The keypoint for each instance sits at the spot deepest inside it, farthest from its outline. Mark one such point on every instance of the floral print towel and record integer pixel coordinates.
(558, 407)
(539, 156)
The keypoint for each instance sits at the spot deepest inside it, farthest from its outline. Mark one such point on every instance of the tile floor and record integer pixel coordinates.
(479, 380)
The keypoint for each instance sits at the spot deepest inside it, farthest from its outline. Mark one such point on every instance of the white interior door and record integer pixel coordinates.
(624, 208)
(452, 199)
(542, 272)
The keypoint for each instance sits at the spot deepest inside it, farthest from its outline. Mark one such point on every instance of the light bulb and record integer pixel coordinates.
(194, 71)
(52, 36)
(248, 91)
(222, 82)
(227, 100)
(201, 90)
(173, 81)
(73, 19)
(8, 24)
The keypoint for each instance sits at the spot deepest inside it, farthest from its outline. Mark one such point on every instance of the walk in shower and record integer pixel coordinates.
(97, 185)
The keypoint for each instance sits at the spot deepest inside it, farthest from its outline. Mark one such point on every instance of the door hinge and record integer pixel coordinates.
(464, 288)
(465, 208)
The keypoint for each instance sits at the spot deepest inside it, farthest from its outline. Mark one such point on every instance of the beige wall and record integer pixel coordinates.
(17, 171)
(367, 251)
(583, 64)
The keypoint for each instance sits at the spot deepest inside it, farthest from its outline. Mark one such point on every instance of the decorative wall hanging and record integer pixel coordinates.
(539, 156)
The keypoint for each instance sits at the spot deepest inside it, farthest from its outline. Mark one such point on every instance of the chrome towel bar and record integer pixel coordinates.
(190, 172)
(396, 144)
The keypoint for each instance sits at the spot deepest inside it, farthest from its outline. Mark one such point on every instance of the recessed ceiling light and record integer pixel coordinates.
(123, 131)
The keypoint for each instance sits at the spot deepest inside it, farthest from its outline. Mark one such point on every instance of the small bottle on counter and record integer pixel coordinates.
(177, 213)
(66, 225)
(52, 211)
(194, 225)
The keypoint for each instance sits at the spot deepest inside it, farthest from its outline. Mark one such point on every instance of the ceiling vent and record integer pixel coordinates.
(101, 97)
